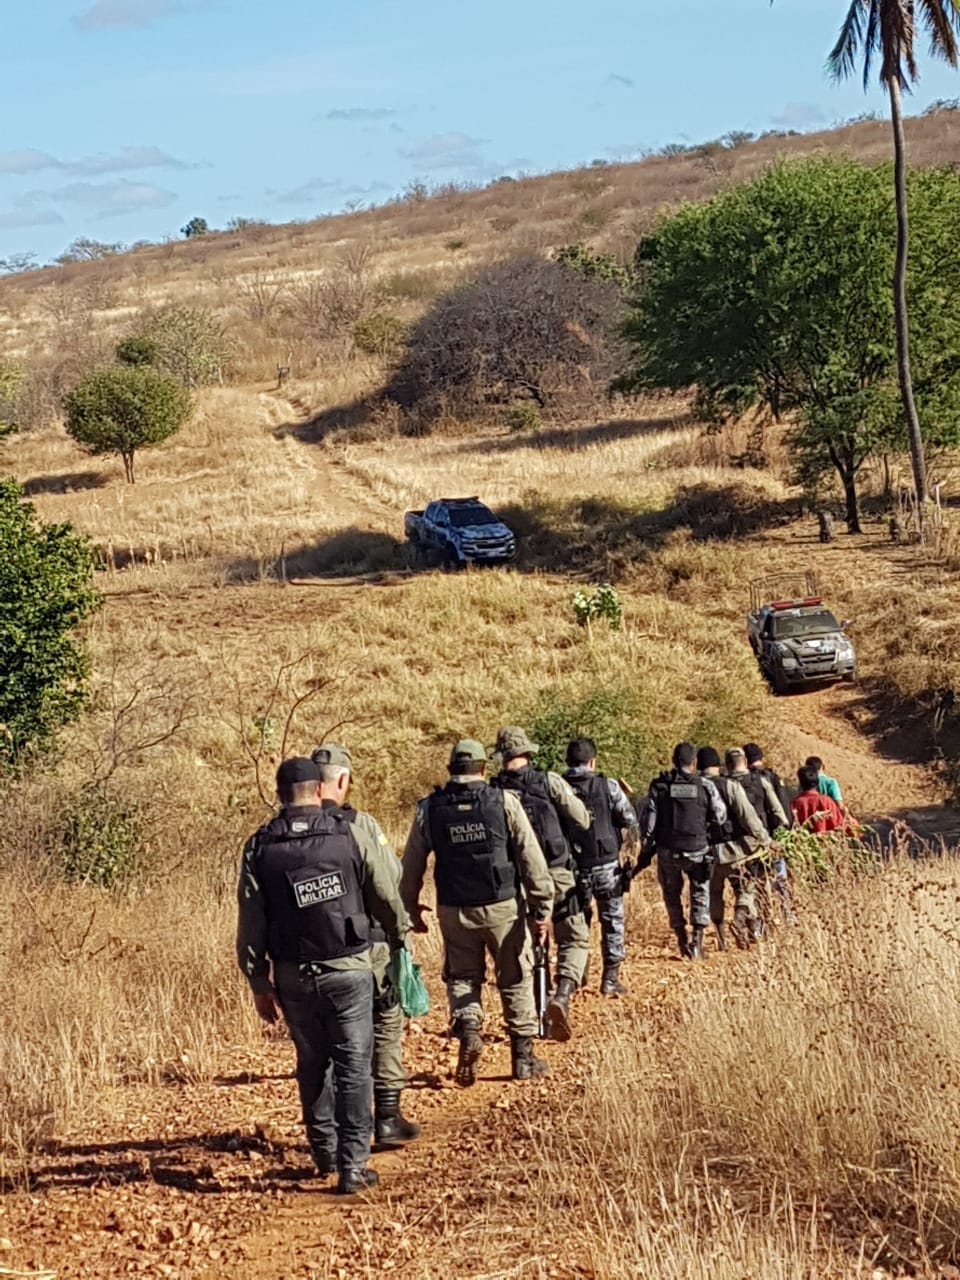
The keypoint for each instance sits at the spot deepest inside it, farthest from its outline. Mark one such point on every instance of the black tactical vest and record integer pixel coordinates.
(752, 783)
(682, 812)
(601, 843)
(311, 874)
(777, 783)
(349, 814)
(728, 830)
(534, 791)
(468, 831)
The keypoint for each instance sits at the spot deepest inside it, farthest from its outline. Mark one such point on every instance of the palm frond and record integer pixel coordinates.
(842, 59)
(941, 18)
(871, 44)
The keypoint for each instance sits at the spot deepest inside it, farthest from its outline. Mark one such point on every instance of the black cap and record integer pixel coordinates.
(707, 758)
(295, 771)
(753, 753)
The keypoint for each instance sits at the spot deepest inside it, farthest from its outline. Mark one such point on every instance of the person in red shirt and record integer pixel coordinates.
(813, 811)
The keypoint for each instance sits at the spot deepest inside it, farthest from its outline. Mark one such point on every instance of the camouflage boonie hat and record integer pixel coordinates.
(513, 741)
(331, 753)
(468, 750)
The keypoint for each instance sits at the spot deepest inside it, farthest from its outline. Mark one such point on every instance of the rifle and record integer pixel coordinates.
(541, 985)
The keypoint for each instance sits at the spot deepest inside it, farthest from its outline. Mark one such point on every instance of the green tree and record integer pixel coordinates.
(125, 408)
(46, 592)
(195, 227)
(776, 293)
(190, 344)
(887, 29)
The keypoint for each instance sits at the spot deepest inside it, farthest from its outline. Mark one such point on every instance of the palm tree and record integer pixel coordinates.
(888, 29)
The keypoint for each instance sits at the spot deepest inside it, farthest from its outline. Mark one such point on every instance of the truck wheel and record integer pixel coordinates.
(450, 560)
(778, 683)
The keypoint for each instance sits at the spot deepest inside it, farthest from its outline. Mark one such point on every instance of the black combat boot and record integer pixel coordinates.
(525, 1065)
(684, 943)
(326, 1161)
(558, 1010)
(610, 984)
(391, 1129)
(471, 1047)
(354, 1180)
(696, 945)
(721, 935)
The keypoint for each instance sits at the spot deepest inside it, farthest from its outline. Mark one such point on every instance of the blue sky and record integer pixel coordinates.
(127, 117)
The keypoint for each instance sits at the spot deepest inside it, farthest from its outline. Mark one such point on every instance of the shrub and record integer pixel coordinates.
(601, 603)
(11, 398)
(100, 841)
(330, 304)
(612, 716)
(524, 416)
(195, 227)
(380, 334)
(595, 266)
(191, 344)
(45, 594)
(137, 350)
(522, 327)
(125, 408)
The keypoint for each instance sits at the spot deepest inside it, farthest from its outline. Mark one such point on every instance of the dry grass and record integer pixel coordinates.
(814, 1092)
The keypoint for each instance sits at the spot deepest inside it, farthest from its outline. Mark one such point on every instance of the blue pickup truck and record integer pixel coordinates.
(459, 531)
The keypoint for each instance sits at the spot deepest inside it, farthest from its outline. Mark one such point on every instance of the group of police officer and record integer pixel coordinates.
(324, 902)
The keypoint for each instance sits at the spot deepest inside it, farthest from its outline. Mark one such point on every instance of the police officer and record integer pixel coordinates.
(485, 854)
(768, 795)
(391, 1128)
(734, 844)
(597, 854)
(309, 883)
(550, 804)
(677, 816)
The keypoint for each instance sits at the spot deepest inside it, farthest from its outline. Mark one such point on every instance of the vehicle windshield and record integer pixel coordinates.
(462, 517)
(799, 626)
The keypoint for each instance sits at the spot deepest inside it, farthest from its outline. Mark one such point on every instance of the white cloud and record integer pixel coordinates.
(29, 211)
(126, 160)
(360, 115)
(109, 199)
(134, 13)
(448, 151)
(799, 115)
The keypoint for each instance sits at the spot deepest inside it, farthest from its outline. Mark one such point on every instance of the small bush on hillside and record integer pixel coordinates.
(11, 398)
(137, 350)
(380, 334)
(331, 304)
(191, 344)
(595, 266)
(195, 227)
(100, 840)
(524, 416)
(126, 408)
(604, 602)
(627, 744)
(45, 594)
(522, 327)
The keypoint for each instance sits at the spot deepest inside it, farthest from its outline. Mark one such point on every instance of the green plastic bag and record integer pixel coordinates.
(406, 981)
